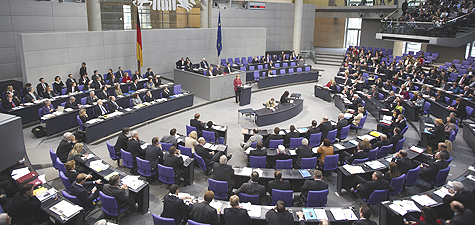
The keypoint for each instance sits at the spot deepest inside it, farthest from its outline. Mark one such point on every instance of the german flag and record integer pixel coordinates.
(139, 41)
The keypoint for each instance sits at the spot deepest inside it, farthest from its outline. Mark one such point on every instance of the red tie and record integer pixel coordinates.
(13, 104)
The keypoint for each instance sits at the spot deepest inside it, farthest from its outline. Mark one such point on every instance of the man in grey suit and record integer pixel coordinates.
(254, 138)
(170, 138)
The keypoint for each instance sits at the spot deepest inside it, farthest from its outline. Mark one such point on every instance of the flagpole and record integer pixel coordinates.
(136, 23)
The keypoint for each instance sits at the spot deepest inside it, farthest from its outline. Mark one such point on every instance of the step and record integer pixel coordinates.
(327, 63)
(329, 54)
(329, 60)
(330, 57)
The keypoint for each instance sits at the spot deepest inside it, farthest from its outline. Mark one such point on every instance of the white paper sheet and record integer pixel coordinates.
(338, 213)
(349, 214)
(321, 214)
(424, 200)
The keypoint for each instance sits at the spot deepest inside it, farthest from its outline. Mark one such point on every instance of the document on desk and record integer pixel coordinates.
(442, 192)
(259, 171)
(369, 137)
(339, 146)
(302, 130)
(132, 182)
(416, 149)
(252, 210)
(353, 169)
(46, 195)
(375, 133)
(108, 176)
(423, 200)
(321, 214)
(213, 147)
(65, 209)
(347, 115)
(17, 173)
(98, 165)
(309, 214)
(293, 152)
(282, 132)
(355, 142)
(315, 150)
(216, 205)
(350, 215)
(246, 171)
(219, 128)
(404, 206)
(471, 177)
(338, 213)
(184, 157)
(375, 164)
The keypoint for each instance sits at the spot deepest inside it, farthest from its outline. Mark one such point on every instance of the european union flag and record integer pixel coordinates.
(219, 45)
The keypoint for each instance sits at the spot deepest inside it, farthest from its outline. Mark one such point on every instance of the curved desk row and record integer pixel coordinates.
(287, 78)
(135, 116)
(282, 112)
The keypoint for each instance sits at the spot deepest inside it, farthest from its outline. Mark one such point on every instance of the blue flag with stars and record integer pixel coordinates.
(219, 44)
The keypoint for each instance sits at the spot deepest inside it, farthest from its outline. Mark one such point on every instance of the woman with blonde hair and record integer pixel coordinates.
(76, 155)
(367, 145)
(83, 115)
(191, 141)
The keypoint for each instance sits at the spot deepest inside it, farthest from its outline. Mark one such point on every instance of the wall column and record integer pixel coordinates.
(297, 25)
(204, 14)
(397, 48)
(94, 15)
(210, 13)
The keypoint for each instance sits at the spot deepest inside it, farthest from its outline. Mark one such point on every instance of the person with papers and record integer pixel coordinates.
(342, 122)
(312, 185)
(259, 151)
(397, 136)
(25, 208)
(174, 160)
(281, 154)
(174, 207)
(383, 142)
(430, 171)
(404, 163)
(365, 215)
(458, 193)
(313, 129)
(428, 217)
(203, 212)
(120, 193)
(86, 192)
(279, 215)
(274, 136)
(365, 188)
(236, 215)
(359, 154)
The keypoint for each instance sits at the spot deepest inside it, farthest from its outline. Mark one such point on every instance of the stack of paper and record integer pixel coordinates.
(98, 165)
(321, 214)
(65, 209)
(207, 145)
(252, 210)
(375, 165)
(369, 137)
(216, 205)
(213, 147)
(246, 171)
(17, 173)
(293, 152)
(350, 215)
(107, 177)
(423, 200)
(348, 115)
(132, 182)
(43, 197)
(338, 213)
(339, 146)
(353, 169)
(355, 142)
(416, 149)
(404, 206)
(442, 192)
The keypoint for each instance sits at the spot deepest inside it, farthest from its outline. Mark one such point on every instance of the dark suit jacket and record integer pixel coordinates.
(148, 98)
(275, 218)
(236, 216)
(401, 124)
(8, 105)
(98, 85)
(366, 188)
(121, 195)
(133, 146)
(69, 82)
(154, 155)
(254, 188)
(174, 208)
(341, 123)
(98, 111)
(405, 164)
(121, 143)
(380, 144)
(357, 155)
(204, 213)
(22, 209)
(303, 151)
(197, 124)
(290, 135)
(58, 87)
(29, 98)
(180, 64)
(204, 153)
(165, 94)
(40, 89)
(393, 140)
(278, 184)
(175, 162)
(325, 128)
(430, 172)
(216, 71)
(222, 172)
(119, 73)
(72, 90)
(80, 191)
(364, 222)
(204, 64)
(227, 70)
(256, 152)
(112, 107)
(312, 185)
(272, 137)
(133, 87)
(102, 95)
(71, 175)
(466, 198)
(63, 150)
(83, 81)
(461, 218)
(313, 130)
(90, 100)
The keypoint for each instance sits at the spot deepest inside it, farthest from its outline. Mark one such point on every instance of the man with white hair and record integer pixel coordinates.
(355, 101)
(458, 193)
(224, 172)
(100, 109)
(5, 219)
(281, 154)
(303, 151)
(65, 146)
(204, 64)
(342, 122)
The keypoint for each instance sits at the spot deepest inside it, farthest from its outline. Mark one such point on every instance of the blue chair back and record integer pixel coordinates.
(314, 139)
(469, 111)
(109, 205)
(308, 163)
(275, 143)
(362, 121)
(356, 161)
(441, 177)
(157, 220)
(185, 150)
(295, 142)
(411, 176)
(405, 129)
(40, 112)
(60, 166)
(220, 188)
(83, 101)
(144, 168)
(381, 96)
(377, 196)
(209, 136)
(166, 174)
(53, 157)
(189, 129)
(166, 146)
(332, 135)
(177, 89)
(331, 162)
(78, 119)
(191, 222)
(450, 159)
(111, 150)
(257, 161)
(344, 132)
(384, 151)
(253, 199)
(63, 91)
(127, 159)
(286, 196)
(283, 164)
(426, 107)
(66, 181)
(317, 198)
(71, 198)
(400, 144)
(373, 153)
(201, 162)
(398, 184)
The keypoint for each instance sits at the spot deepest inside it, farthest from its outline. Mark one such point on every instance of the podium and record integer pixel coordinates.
(245, 95)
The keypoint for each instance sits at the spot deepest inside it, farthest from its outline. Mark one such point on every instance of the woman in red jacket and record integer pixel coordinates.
(126, 78)
(237, 90)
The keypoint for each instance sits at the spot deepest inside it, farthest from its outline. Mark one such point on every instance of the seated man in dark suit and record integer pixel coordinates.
(171, 139)
(227, 69)
(404, 164)
(325, 126)
(31, 96)
(259, 151)
(278, 183)
(383, 142)
(112, 105)
(122, 140)
(165, 93)
(25, 208)
(292, 134)
(180, 64)
(209, 127)
(281, 154)
(210, 157)
(365, 188)
(274, 136)
(203, 213)
(312, 185)
(103, 93)
(100, 109)
(224, 172)
(280, 216)
(65, 146)
(70, 80)
(395, 138)
(461, 214)
(197, 123)
(133, 86)
(121, 194)
(173, 159)
(174, 207)
(41, 87)
(10, 102)
(365, 215)
(91, 98)
(313, 130)
(355, 101)
(154, 153)
(342, 122)
(236, 215)
(148, 97)
(458, 193)
(217, 70)
(304, 151)
(359, 154)
(254, 188)
(204, 64)
(429, 171)
(86, 192)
